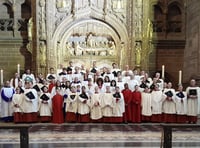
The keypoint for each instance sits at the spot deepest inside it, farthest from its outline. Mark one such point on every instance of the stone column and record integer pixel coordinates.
(16, 7)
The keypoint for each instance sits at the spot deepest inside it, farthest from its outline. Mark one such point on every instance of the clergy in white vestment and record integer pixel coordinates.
(118, 106)
(95, 106)
(181, 105)
(127, 72)
(30, 102)
(146, 104)
(17, 101)
(193, 101)
(169, 105)
(156, 104)
(71, 105)
(83, 106)
(6, 102)
(132, 83)
(45, 105)
(107, 103)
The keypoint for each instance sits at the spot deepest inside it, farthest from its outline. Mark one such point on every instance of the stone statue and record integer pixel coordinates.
(111, 50)
(90, 41)
(149, 29)
(29, 47)
(138, 54)
(42, 21)
(42, 49)
(69, 48)
(42, 3)
(30, 29)
(78, 50)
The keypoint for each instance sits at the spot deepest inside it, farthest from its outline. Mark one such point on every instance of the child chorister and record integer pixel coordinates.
(45, 105)
(17, 106)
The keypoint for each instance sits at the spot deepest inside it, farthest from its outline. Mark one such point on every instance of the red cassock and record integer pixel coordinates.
(127, 93)
(18, 117)
(57, 108)
(181, 118)
(136, 107)
(51, 85)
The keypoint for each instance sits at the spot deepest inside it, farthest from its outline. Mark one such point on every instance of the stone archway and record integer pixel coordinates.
(89, 40)
(76, 32)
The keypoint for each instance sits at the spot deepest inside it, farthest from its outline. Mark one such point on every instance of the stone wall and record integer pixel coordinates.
(14, 16)
(192, 50)
(173, 61)
(10, 56)
(169, 37)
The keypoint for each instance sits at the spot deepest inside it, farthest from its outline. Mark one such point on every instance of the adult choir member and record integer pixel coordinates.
(30, 103)
(6, 102)
(118, 107)
(107, 105)
(136, 105)
(45, 105)
(51, 75)
(193, 93)
(83, 106)
(159, 81)
(157, 97)
(146, 105)
(96, 114)
(127, 93)
(15, 81)
(115, 69)
(71, 106)
(169, 106)
(181, 105)
(28, 75)
(57, 107)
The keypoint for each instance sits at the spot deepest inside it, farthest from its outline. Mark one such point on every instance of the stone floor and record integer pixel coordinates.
(47, 135)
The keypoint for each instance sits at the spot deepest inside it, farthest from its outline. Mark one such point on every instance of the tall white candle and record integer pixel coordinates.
(18, 69)
(163, 71)
(180, 77)
(1, 76)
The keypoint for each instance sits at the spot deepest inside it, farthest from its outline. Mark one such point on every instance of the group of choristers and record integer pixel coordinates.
(93, 95)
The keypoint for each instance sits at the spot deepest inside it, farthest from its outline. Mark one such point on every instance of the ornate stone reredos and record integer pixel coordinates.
(93, 33)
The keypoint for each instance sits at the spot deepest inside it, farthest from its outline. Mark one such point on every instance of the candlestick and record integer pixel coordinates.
(1, 76)
(18, 69)
(163, 71)
(180, 77)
